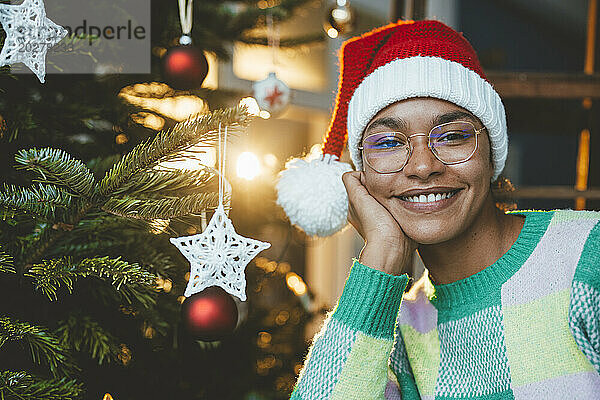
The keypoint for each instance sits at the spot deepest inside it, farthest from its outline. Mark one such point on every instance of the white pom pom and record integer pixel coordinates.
(313, 195)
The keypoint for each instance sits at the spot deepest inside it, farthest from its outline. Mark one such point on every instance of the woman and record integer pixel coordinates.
(509, 307)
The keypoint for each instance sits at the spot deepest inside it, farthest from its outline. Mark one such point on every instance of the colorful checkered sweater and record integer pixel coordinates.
(526, 327)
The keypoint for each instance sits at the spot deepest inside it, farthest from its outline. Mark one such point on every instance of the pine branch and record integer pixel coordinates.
(6, 263)
(43, 345)
(199, 129)
(59, 168)
(45, 201)
(85, 335)
(163, 208)
(165, 181)
(23, 386)
(130, 280)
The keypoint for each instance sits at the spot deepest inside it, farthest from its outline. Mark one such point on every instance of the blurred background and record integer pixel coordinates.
(540, 55)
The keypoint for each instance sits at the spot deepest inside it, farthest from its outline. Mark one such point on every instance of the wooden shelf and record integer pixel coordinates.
(550, 192)
(545, 85)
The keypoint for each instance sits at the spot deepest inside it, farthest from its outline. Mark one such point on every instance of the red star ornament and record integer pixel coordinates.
(272, 94)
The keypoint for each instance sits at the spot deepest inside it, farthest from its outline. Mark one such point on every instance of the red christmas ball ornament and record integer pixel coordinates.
(210, 314)
(185, 67)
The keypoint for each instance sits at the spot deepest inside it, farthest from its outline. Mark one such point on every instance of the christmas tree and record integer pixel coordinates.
(91, 288)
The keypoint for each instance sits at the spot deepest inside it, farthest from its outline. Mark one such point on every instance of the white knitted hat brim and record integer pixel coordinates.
(428, 77)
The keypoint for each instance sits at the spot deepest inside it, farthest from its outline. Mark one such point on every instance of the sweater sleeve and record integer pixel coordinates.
(584, 312)
(348, 358)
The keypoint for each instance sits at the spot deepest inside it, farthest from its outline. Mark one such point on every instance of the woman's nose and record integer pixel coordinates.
(422, 163)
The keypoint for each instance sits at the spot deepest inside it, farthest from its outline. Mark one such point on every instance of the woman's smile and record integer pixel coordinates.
(429, 201)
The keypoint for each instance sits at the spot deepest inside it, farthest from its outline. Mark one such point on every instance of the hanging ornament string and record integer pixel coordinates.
(221, 167)
(185, 17)
(218, 256)
(272, 37)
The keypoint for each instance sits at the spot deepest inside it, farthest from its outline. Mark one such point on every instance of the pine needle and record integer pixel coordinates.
(131, 280)
(200, 129)
(46, 201)
(85, 335)
(6, 263)
(54, 166)
(44, 347)
(166, 181)
(23, 386)
(163, 208)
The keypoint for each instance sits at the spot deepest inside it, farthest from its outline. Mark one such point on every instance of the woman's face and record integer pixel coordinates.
(430, 222)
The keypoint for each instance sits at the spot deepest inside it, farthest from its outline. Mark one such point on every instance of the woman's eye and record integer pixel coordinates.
(453, 136)
(387, 143)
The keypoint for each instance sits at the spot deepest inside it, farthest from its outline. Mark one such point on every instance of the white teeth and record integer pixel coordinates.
(429, 198)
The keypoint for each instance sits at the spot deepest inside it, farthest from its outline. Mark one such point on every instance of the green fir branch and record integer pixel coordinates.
(6, 263)
(163, 208)
(46, 201)
(43, 346)
(20, 385)
(59, 168)
(165, 181)
(130, 280)
(166, 144)
(83, 334)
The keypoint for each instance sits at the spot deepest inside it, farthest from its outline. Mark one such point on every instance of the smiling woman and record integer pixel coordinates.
(509, 304)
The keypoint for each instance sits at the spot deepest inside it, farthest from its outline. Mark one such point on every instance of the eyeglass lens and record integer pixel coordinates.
(453, 142)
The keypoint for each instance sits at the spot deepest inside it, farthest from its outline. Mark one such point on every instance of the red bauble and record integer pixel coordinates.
(185, 67)
(210, 314)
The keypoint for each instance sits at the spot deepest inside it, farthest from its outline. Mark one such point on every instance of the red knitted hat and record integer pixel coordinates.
(398, 61)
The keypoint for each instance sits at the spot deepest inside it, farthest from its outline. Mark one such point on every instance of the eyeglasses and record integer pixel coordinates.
(451, 143)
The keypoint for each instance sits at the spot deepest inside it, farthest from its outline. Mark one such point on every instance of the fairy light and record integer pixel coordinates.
(160, 98)
(125, 355)
(295, 283)
(251, 104)
(149, 120)
(332, 33)
(121, 138)
(248, 166)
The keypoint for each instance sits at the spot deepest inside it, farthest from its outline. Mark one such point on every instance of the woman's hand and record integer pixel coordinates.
(387, 248)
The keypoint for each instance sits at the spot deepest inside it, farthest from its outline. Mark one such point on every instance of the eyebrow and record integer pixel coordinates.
(452, 116)
(393, 123)
(398, 124)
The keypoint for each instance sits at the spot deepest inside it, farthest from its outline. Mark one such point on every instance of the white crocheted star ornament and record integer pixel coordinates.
(29, 35)
(218, 256)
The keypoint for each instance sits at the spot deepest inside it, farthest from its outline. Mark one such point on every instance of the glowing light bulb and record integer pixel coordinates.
(332, 32)
(251, 103)
(248, 166)
(295, 283)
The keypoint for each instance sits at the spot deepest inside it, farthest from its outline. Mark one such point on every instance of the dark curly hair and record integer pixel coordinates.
(502, 189)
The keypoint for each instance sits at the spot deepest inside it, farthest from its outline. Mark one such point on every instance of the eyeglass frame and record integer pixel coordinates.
(429, 146)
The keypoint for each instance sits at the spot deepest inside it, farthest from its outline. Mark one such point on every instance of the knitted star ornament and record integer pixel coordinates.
(398, 61)
(219, 255)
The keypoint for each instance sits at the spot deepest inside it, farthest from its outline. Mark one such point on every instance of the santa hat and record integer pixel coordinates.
(402, 60)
